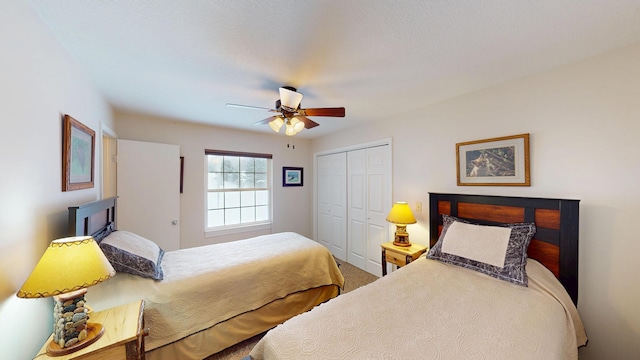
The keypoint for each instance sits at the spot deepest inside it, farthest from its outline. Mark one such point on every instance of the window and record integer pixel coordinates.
(238, 192)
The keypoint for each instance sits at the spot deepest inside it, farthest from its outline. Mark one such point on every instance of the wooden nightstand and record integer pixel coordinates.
(399, 255)
(123, 337)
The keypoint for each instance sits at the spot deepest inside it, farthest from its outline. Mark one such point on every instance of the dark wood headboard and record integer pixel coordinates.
(555, 243)
(92, 218)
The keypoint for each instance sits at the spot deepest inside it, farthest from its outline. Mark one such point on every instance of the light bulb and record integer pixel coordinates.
(297, 125)
(289, 130)
(276, 124)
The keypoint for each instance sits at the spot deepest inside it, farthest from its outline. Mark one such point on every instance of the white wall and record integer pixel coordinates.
(39, 83)
(584, 122)
(292, 205)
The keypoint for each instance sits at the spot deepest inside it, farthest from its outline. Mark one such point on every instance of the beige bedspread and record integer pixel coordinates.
(432, 310)
(206, 285)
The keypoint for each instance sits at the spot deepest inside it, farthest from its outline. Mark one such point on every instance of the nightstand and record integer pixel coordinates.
(123, 337)
(400, 255)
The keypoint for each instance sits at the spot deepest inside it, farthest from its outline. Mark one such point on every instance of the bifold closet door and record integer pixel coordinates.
(332, 203)
(369, 201)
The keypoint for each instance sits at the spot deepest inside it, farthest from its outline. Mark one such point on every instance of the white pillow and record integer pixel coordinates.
(514, 268)
(487, 244)
(133, 254)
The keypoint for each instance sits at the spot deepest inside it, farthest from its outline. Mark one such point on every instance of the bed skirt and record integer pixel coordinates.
(244, 326)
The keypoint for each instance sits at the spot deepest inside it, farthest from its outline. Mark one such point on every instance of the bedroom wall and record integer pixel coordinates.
(40, 82)
(584, 122)
(292, 205)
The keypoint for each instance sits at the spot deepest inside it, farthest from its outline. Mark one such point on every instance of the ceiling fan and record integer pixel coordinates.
(290, 114)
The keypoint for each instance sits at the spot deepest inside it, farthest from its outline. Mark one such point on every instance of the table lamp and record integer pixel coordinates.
(401, 215)
(66, 269)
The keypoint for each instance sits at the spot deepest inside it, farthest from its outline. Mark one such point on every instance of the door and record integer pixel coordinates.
(378, 161)
(369, 194)
(109, 156)
(148, 186)
(332, 203)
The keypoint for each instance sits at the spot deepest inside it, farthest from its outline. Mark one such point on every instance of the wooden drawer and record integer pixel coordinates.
(395, 258)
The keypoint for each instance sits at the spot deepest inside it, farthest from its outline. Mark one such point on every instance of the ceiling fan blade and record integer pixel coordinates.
(335, 112)
(250, 107)
(265, 121)
(308, 123)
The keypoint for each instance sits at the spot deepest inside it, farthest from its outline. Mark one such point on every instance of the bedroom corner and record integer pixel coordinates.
(41, 82)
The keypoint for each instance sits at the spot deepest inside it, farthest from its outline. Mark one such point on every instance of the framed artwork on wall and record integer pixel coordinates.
(292, 176)
(502, 161)
(78, 153)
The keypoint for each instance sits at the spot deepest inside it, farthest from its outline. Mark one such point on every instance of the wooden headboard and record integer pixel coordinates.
(92, 218)
(555, 243)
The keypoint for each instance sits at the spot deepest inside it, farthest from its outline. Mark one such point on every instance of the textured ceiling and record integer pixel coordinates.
(186, 59)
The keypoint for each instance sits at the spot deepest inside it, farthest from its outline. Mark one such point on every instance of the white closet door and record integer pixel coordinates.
(378, 170)
(357, 195)
(148, 186)
(332, 204)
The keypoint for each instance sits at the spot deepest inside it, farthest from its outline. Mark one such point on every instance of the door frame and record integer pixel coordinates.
(108, 138)
(380, 142)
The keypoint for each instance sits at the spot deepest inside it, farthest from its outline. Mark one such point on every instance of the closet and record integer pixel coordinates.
(353, 199)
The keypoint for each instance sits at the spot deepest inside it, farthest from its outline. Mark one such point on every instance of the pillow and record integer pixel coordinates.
(131, 253)
(473, 255)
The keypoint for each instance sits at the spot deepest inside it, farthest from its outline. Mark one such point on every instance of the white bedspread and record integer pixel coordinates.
(206, 285)
(432, 310)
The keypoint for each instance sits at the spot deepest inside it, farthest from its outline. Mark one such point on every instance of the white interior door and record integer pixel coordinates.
(357, 217)
(378, 169)
(332, 203)
(148, 186)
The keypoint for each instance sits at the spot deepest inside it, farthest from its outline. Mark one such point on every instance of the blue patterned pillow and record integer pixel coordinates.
(515, 258)
(131, 253)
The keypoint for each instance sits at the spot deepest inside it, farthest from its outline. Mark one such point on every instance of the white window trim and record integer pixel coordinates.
(237, 228)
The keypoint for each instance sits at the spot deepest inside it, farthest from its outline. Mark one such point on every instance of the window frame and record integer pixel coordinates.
(240, 227)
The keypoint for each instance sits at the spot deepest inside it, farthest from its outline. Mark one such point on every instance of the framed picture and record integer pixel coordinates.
(292, 176)
(78, 152)
(502, 161)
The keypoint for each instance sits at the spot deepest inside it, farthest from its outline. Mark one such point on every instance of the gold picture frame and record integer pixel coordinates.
(502, 161)
(78, 153)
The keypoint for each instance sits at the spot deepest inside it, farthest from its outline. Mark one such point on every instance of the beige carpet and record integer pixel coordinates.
(353, 279)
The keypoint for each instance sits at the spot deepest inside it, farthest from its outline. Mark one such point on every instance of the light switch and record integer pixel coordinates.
(419, 206)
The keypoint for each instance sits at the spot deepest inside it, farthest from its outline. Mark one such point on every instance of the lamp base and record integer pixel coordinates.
(402, 237)
(402, 240)
(94, 332)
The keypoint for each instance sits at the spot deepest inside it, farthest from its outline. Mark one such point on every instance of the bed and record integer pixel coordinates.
(448, 306)
(199, 301)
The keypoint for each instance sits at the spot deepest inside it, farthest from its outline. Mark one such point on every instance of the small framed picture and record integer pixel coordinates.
(502, 161)
(292, 176)
(78, 152)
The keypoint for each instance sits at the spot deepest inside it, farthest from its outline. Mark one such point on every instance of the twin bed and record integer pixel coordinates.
(199, 301)
(443, 306)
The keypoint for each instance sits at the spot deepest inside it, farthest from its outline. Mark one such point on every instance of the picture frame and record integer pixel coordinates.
(78, 155)
(181, 174)
(501, 161)
(292, 176)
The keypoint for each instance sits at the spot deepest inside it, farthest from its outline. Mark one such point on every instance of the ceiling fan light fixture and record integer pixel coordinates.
(297, 125)
(276, 124)
(290, 100)
(289, 131)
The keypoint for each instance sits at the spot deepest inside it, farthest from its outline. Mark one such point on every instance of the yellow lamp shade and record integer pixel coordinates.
(401, 214)
(67, 265)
